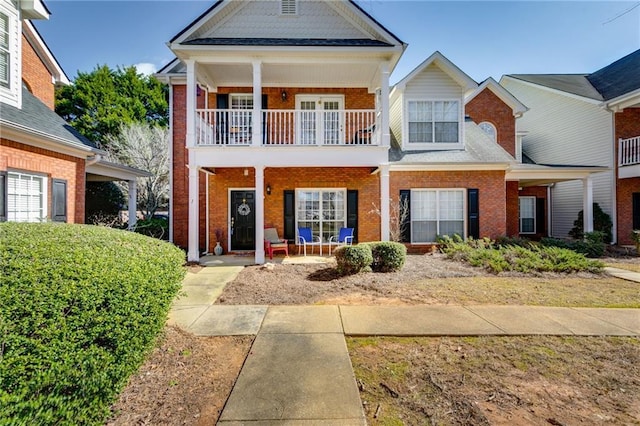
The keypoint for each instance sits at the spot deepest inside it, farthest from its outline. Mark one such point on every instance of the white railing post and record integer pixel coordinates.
(620, 149)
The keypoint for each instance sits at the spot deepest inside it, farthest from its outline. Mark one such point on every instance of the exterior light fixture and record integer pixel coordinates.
(268, 189)
(283, 95)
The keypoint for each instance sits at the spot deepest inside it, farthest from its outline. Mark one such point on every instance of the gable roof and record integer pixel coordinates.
(619, 78)
(37, 119)
(576, 84)
(222, 10)
(516, 106)
(44, 53)
(445, 65)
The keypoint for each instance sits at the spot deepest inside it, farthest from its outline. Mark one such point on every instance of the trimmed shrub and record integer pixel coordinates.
(601, 222)
(591, 246)
(388, 256)
(81, 308)
(353, 259)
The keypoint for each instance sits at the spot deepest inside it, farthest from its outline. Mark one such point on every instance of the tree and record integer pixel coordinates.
(99, 102)
(144, 146)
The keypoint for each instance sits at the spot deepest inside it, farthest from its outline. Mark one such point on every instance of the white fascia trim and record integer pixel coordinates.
(448, 167)
(195, 25)
(34, 9)
(28, 136)
(44, 53)
(551, 90)
(115, 171)
(622, 102)
(553, 173)
(445, 65)
(266, 53)
(505, 96)
(388, 37)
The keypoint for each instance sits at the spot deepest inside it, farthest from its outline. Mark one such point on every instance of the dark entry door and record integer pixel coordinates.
(243, 220)
(635, 210)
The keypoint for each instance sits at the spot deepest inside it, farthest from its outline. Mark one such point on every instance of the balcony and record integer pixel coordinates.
(233, 127)
(629, 157)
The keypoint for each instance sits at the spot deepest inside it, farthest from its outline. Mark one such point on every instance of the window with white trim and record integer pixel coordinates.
(240, 121)
(433, 121)
(437, 212)
(5, 53)
(489, 129)
(527, 214)
(26, 197)
(322, 210)
(288, 7)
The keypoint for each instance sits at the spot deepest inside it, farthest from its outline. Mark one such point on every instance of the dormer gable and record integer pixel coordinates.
(427, 106)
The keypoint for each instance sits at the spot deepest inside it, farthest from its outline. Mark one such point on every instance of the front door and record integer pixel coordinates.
(243, 220)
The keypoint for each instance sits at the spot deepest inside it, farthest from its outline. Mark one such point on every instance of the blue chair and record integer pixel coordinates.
(344, 238)
(306, 238)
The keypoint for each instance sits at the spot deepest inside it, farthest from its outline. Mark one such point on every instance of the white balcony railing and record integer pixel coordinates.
(288, 127)
(629, 151)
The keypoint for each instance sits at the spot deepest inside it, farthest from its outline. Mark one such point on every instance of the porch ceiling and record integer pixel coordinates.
(325, 74)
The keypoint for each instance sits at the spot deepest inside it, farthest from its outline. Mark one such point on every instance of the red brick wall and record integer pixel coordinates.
(513, 224)
(486, 106)
(627, 125)
(491, 186)
(180, 194)
(281, 179)
(354, 98)
(36, 75)
(20, 157)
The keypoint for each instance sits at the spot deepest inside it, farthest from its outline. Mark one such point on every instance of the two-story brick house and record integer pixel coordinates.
(282, 116)
(44, 162)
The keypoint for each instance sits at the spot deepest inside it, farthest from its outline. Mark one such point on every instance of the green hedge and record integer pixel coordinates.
(388, 256)
(81, 307)
(353, 259)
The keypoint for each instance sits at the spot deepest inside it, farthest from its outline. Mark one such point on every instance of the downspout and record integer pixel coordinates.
(549, 210)
(614, 167)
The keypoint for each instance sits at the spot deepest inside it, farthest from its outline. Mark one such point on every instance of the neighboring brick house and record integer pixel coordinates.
(44, 162)
(589, 119)
(282, 116)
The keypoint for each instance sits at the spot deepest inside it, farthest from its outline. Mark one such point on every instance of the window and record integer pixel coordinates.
(240, 121)
(433, 121)
(527, 214)
(5, 54)
(288, 7)
(324, 211)
(26, 197)
(489, 129)
(436, 212)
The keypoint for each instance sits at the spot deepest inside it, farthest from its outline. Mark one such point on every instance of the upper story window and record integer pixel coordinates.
(489, 129)
(5, 54)
(434, 122)
(288, 7)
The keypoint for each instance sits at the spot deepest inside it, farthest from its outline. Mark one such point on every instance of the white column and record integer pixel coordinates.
(257, 101)
(384, 202)
(191, 102)
(587, 199)
(260, 215)
(193, 254)
(133, 205)
(384, 105)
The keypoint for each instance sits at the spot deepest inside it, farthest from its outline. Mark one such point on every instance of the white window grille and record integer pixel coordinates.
(324, 211)
(489, 129)
(26, 197)
(433, 121)
(436, 213)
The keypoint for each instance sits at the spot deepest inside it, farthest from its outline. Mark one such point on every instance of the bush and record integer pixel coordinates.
(353, 259)
(81, 307)
(388, 256)
(601, 222)
(154, 227)
(591, 246)
(533, 259)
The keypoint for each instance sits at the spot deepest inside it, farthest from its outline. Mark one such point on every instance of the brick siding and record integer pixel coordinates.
(486, 106)
(36, 76)
(627, 125)
(20, 157)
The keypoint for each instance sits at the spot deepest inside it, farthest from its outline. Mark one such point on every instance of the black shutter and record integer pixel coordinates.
(635, 210)
(265, 133)
(540, 216)
(59, 200)
(4, 186)
(222, 118)
(473, 213)
(352, 212)
(405, 226)
(289, 215)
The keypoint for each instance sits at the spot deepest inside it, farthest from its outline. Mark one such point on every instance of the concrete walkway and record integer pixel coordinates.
(298, 370)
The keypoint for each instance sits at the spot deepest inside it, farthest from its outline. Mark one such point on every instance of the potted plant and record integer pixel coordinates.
(217, 250)
(635, 236)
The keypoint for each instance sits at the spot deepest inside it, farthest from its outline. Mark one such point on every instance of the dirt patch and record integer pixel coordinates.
(425, 279)
(185, 381)
(499, 380)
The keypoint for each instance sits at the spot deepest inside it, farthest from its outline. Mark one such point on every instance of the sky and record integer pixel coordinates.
(483, 38)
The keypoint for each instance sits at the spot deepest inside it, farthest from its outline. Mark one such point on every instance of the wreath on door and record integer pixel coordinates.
(244, 209)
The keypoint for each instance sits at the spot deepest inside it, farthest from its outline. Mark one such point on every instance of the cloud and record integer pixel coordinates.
(146, 68)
